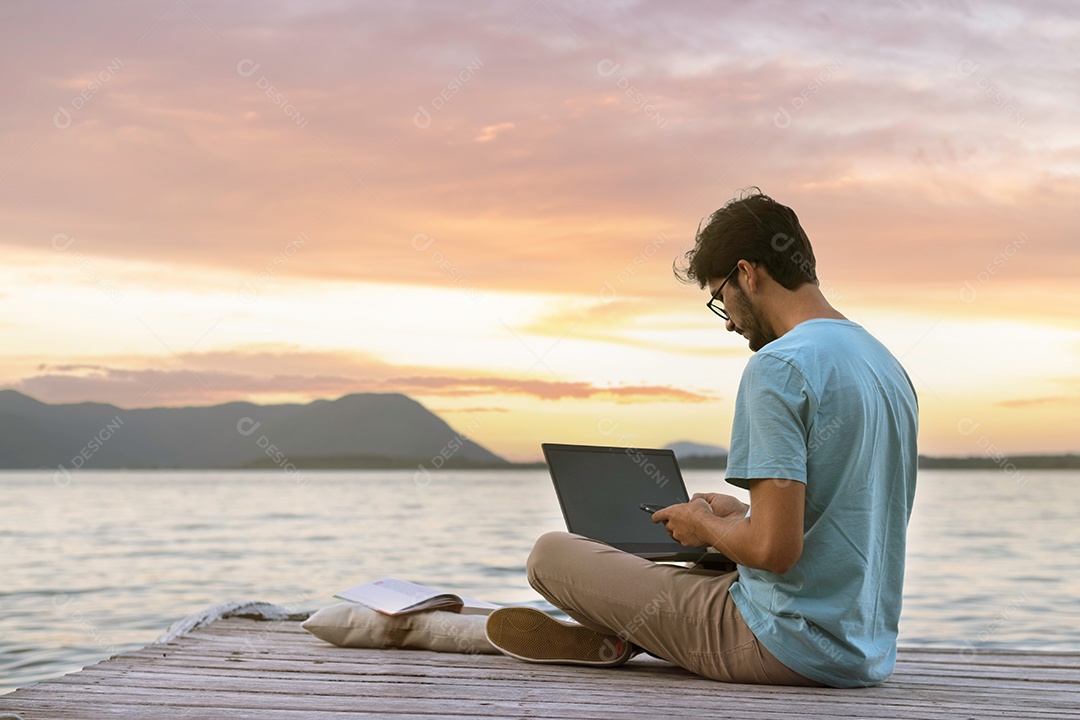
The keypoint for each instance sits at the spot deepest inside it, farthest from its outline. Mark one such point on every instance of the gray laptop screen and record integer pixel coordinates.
(600, 490)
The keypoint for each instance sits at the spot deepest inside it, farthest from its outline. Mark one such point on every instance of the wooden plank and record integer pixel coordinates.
(315, 686)
(510, 678)
(573, 678)
(270, 706)
(391, 662)
(226, 631)
(543, 707)
(270, 686)
(506, 671)
(987, 657)
(215, 647)
(239, 668)
(286, 631)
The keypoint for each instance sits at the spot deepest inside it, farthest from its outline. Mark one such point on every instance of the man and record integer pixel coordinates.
(824, 438)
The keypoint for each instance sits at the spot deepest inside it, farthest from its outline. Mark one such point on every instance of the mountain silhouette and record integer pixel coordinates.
(686, 449)
(360, 430)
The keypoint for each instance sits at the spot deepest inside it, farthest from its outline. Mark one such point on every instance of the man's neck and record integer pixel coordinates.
(799, 305)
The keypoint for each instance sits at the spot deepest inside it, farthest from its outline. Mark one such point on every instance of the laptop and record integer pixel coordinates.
(600, 492)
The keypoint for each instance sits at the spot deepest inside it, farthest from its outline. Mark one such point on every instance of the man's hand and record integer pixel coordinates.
(683, 521)
(723, 505)
(769, 539)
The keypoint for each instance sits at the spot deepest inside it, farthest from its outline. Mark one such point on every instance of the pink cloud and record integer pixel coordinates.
(184, 159)
(195, 383)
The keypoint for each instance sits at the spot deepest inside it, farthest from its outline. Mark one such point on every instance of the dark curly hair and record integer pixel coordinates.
(756, 228)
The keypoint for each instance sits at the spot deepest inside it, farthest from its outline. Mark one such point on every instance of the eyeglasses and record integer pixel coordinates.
(715, 303)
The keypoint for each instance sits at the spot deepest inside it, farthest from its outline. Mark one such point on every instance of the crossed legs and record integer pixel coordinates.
(683, 615)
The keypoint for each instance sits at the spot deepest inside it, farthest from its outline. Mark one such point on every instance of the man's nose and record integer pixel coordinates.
(730, 325)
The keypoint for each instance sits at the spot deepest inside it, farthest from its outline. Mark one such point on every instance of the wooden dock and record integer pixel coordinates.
(243, 668)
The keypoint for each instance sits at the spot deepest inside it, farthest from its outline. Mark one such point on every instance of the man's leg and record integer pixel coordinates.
(683, 615)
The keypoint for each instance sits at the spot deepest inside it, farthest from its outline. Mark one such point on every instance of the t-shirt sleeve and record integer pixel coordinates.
(772, 416)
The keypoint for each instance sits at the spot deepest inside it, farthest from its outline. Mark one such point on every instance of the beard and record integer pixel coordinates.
(749, 321)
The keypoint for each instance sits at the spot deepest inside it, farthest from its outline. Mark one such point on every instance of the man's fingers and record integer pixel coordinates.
(706, 503)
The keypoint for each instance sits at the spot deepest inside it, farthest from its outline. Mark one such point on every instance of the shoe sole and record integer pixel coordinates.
(534, 636)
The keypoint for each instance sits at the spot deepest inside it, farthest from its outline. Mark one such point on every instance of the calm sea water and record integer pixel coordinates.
(107, 562)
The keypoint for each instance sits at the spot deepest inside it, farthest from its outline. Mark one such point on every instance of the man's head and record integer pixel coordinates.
(755, 228)
(752, 252)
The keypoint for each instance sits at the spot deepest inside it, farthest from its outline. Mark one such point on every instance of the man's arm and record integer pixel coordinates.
(770, 539)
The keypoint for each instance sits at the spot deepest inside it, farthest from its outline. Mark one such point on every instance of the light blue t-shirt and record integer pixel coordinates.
(829, 406)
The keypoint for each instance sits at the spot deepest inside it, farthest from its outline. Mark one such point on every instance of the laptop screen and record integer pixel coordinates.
(601, 489)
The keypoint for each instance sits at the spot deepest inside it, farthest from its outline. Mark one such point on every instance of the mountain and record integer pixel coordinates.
(362, 430)
(687, 449)
(699, 456)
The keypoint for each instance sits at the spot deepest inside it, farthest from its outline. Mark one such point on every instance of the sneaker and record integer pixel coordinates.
(534, 636)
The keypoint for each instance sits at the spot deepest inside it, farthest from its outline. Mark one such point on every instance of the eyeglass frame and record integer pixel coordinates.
(716, 296)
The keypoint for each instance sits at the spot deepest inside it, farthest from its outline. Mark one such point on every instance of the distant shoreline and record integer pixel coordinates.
(1020, 462)
(1068, 461)
(698, 462)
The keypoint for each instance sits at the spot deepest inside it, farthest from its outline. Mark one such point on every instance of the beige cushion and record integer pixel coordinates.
(349, 624)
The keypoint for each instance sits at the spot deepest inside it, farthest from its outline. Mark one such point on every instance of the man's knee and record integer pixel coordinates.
(548, 548)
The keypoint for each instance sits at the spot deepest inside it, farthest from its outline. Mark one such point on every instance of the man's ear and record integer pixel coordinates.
(751, 273)
(757, 277)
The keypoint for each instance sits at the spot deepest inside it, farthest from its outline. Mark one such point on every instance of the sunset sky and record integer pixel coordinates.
(478, 204)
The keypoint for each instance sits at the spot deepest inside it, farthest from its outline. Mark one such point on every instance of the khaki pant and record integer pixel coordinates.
(684, 615)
